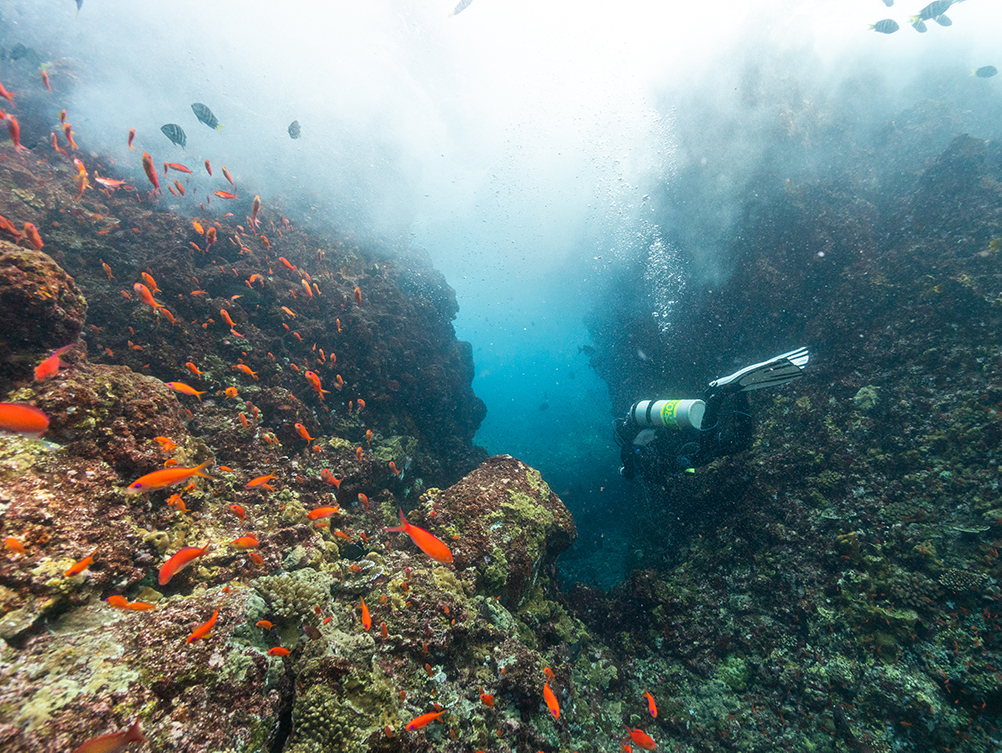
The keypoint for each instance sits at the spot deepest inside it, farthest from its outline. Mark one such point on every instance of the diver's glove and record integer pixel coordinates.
(771, 373)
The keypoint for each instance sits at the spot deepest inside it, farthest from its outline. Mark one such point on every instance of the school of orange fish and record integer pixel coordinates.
(29, 421)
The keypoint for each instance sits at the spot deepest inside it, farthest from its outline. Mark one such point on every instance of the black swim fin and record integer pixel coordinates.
(771, 373)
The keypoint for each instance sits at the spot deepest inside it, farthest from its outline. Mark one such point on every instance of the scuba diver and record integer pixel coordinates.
(659, 438)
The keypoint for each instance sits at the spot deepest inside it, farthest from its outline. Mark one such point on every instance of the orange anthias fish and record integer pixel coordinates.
(14, 545)
(146, 296)
(423, 720)
(148, 279)
(203, 630)
(194, 369)
(208, 168)
(314, 381)
(358, 295)
(114, 742)
(255, 208)
(166, 443)
(50, 366)
(651, 706)
(176, 166)
(9, 96)
(239, 511)
(640, 738)
(225, 194)
(32, 232)
(185, 389)
(264, 624)
(226, 174)
(247, 541)
(79, 567)
(14, 129)
(45, 80)
(132, 135)
(486, 698)
(278, 651)
(245, 369)
(366, 617)
(329, 478)
(301, 430)
(165, 478)
(151, 172)
(426, 542)
(323, 512)
(261, 481)
(179, 561)
(551, 701)
(8, 226)
(23, 419)
(117, 602)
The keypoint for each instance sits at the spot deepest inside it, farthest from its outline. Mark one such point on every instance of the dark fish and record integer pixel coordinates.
(888, 3)
(20, 52)
(919, 25)
(312, 632)
(932, 10)
(588, 350)
(985, 71)
(546, 402)
(205, 115)
(463, 5)
(294, 129)
(79, 5)
(175, 133)
(887, 26)
(943, 20)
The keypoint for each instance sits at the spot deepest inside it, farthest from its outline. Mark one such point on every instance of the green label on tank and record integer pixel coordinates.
(668, 412)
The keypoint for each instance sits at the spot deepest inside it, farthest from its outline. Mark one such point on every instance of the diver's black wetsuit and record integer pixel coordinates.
(725, 431)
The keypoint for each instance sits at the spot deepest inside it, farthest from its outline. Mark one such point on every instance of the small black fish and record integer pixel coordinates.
(294, 129)
(919, 25)
(204, 114)
(985, 71)
(463, 5)
(175, 133)
(887, 26)
(79, 5)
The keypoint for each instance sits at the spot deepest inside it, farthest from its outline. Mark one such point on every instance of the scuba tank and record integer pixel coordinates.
(670, 414)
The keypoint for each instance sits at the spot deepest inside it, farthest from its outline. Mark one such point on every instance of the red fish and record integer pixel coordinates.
(176, 166)
(226, 174)
(79, 567)
(114, 742)
(9, 96)
(151, 172)
(117, 602)
(640, 738)
(264, 624)
(423, 720)
(68, 133)
(366, 618)
(358, 295)
(208, 168)
(323, 512)
(225, 194)
(551, 701)
(179, 561)
(238, 511)
(314, 381)
(329, 478)
(8, 226)
(165, 478)
(255, 208)
(247, 541)
(278, 651)
(261, 481)
(23, 419)
(45, 80)
(14, 129)
(50, 366)
(651, 706)
(14, 545)
(486, 698)
(393, 468)
(146, 296)
(301, 430)
(245, 369)
(202, 630)
(32, 232)
(55, 144)
(132, 135)
(184, 389)
(256, 558)
(426, 542)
